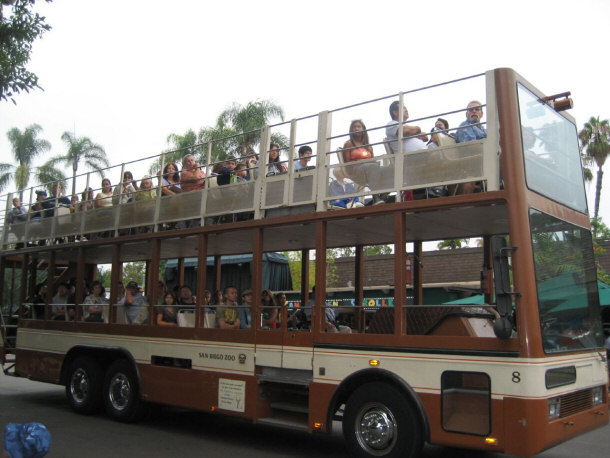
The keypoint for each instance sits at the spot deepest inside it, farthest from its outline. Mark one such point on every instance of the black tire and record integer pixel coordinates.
(84, 385)
(122, 392)
(380, 421)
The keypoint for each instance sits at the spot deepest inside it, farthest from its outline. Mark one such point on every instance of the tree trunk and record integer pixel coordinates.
(74, 169)
(598, 189)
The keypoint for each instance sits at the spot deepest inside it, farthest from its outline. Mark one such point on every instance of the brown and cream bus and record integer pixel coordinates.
(521, 372)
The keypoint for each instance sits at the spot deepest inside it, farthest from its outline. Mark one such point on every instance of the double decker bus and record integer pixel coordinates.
(518, 374)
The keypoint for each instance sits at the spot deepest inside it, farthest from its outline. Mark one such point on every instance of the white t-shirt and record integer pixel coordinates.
(408, 144)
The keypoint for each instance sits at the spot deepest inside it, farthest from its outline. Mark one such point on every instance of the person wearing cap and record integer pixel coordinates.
(245, 311)
(60, 301)
(28, 440)
(136, 308)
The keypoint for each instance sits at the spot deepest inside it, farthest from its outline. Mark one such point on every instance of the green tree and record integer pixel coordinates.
(595, 140)
(238, 129)
(452, 244)
(179, 146)
(80, 149)
(18, 31)
(26, 146)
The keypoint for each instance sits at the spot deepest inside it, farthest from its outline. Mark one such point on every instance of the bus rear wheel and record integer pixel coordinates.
(380, 422)
(84, 385)
(122, 392)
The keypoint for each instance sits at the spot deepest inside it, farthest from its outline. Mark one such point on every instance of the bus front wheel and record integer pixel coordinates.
(122, 392)
(84, 385)
(379, 421)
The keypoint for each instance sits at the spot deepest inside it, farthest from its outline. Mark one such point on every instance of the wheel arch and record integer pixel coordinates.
(105, 356)
(359, 378)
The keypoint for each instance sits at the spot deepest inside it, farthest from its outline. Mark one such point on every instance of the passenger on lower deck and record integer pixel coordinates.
(245, 311)
(136, 306)
(94, 302)
(168, 315)
(227, 315)
(186, 296)
(59, 302)
(269, 309)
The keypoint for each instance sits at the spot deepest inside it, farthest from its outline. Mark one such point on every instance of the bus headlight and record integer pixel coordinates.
(598, 395)
(554, 408)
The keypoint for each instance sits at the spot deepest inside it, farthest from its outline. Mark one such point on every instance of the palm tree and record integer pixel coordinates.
(80, 149)
(26, 146)
(595, 139)
(243, 124)
(179, 146)
(452, 244)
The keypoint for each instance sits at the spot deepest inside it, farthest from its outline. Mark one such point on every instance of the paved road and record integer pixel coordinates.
(176, 432)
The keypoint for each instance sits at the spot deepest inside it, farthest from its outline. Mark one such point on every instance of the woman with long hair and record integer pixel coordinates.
(104, 197)
(168, 315)
(170, 180)
(269, 309)
(275, 167)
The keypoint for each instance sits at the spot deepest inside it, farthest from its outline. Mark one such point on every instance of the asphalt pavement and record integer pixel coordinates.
(171, 432)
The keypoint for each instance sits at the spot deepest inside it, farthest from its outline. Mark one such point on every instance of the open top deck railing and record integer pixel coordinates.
(271, 189)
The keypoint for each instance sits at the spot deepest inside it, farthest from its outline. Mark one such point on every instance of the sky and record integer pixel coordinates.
(128, 73)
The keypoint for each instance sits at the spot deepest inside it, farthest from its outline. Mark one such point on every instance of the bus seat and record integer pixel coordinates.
(186, 318)
(209, 319)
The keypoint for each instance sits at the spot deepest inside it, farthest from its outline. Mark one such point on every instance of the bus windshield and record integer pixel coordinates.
(552, 157)
(566, 283)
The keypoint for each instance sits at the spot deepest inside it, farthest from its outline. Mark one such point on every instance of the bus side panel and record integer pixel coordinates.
(194, 389)
(439, 436)
(528, 420)
(320, 395)
(38, 365)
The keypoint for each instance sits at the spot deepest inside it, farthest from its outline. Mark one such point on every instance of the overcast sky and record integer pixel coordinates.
(128, 73)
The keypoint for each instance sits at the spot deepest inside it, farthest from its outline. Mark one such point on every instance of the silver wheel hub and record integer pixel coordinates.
(119, 392)
(79, 386)
(376, 429)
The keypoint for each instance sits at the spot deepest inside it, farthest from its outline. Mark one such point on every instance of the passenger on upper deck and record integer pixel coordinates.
(37, 208)
(226, 173)
(104, 197)
(18, 213)
(358, 148)
(192, 177)
(305, 153)
(471, 129)
(87, 200)
(146, 189)
(412, 140)
(339, 187)
(439, 135)
(227, 315)
(136, 307)
(170, 180)
(252, 166)
(124, 194)
(49, 203)
(275, 167)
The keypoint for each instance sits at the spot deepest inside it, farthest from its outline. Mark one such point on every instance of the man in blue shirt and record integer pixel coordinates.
(471, 129)
(305, 153)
